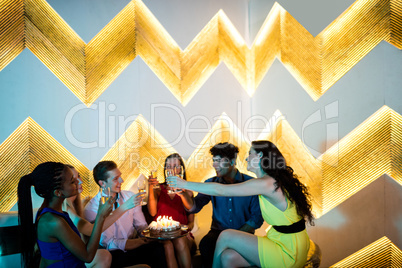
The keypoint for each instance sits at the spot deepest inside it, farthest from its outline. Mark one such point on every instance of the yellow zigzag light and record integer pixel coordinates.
(140, 149)
(381, 253)
(28, 146)
(369, 151)
(337, 175)
(199, 164)
(88, 69)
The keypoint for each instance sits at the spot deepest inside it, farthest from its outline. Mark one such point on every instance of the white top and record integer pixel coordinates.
(126, 227)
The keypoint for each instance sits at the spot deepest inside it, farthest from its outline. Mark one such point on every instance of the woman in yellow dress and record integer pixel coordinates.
(284, 203)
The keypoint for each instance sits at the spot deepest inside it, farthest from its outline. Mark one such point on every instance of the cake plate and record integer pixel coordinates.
(183, 232)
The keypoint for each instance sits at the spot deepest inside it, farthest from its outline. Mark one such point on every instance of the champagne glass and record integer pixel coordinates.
(153, 176)
(142, 188)
(178, 172)
(104, 193)
(169, 173)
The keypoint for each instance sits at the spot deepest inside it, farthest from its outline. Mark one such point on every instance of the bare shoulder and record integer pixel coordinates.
(263, 181)
(49, 225)
(51, 220)
(266, 185)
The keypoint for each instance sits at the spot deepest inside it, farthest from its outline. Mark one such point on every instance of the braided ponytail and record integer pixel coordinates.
(46, 178)
(25, 216)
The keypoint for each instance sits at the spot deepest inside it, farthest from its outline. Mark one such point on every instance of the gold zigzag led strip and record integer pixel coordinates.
(28, 146)
(139, 150)
(88, 69)
(381, 253)
(365, 154)
(369, 151)
(224, 130)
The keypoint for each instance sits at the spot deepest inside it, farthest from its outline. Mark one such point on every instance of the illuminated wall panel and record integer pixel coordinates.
(12, 34)
(371, 150)
(351, 37)
(361, 157)
(396, 23)
(138, 151)
(88, 69)
(52, 40)
(381, 253)
(105, 60)
(317, 63)
(199, 165)
(306, 167)
(28, 146)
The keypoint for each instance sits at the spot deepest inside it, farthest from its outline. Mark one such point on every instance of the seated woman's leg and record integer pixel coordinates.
(102, 259)
(236, 247)
(169, 254)
(182, 252)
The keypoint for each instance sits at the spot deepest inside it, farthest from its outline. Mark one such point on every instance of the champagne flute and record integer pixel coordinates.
(180, 174)
(175, 171)
(104, 193)
(153, 176)
(142, 188)
(169, 173)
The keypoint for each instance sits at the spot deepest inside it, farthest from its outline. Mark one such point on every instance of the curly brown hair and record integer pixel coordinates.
(274, 164)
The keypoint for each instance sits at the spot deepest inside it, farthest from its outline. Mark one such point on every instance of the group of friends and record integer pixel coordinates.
(109, 234)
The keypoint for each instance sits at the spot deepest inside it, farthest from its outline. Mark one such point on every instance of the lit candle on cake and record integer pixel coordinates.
(165, 226)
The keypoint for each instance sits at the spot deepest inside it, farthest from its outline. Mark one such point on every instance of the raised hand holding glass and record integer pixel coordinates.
(104, 193)
(142, 188)
(153, 176)
(174, 172)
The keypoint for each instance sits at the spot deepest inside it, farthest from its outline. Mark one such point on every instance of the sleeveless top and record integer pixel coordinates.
(279, 249)
(56, 250)
(171, 207)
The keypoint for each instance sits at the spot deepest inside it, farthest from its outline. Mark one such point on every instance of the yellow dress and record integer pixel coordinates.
(279, 250)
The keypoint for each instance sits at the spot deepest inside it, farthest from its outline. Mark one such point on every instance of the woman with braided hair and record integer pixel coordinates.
(73, 206)
(284, 203)
(58, 239)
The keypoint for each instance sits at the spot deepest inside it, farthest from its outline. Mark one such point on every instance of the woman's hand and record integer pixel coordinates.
(104, 210)
(183, 193)
(152, 182)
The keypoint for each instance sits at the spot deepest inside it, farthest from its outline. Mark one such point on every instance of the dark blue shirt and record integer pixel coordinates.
(231, 212)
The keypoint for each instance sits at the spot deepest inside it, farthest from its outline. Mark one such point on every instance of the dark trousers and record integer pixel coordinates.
(152, 254)
(207, 247)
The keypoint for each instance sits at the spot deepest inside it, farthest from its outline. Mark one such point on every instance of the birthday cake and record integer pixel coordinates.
(165, 227)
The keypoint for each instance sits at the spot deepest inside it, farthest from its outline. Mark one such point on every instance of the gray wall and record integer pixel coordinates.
(28, 88)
